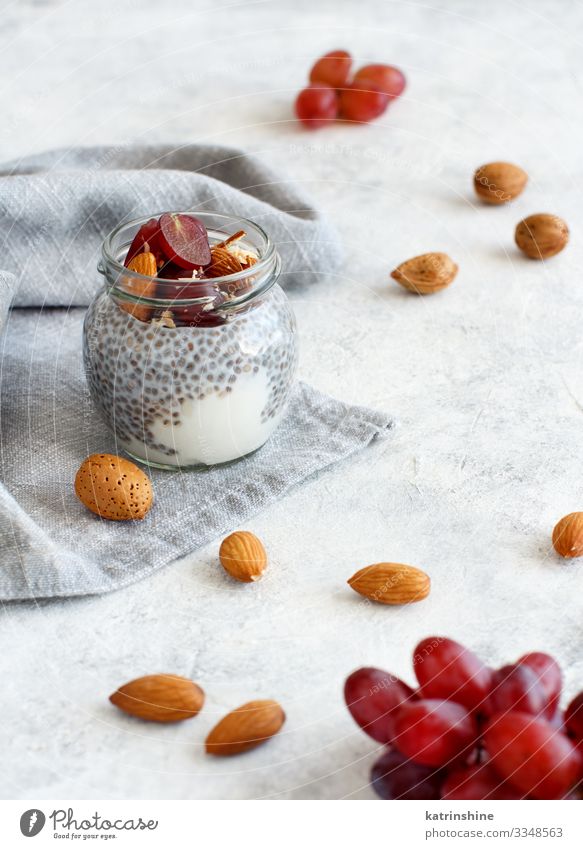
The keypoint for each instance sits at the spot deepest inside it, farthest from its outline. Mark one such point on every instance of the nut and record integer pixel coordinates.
(426, 274)
(568, 535)
(144, 263)
(245, 728)
(113, 488)
(499, 182)
(243, 556)
(542, 235)
(159, 698)
(391, 583)
(223, 262)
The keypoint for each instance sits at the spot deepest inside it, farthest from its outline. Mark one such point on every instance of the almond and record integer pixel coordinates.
(426, 274)
(113, 487)
(499, 182)
(159, 698)
(568, 535)
(542, 235)
(243, 556)
(144, 263)
(223, 263)
(245, 728)
(391, 583)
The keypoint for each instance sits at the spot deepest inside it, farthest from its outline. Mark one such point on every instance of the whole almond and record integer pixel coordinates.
(243, 556)
(223, 262)
(542, 235)
(391, 583)
(245, 728)
(426, 274)
(113, 487)
(499, 182)
(568, 535)
(159, 698)
(144, 263)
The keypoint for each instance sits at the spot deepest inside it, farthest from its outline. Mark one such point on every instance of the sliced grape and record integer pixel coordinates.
(574, 718)
(372, 697)
(184, 240)
(533, 756)
(332, 69)
(516, 687)
(148, 234)
(477, 782)
(447, 670)
(434, 732)
(550, 676)
(386, 78)
(395, 777)
(317, 105)
(362, 102)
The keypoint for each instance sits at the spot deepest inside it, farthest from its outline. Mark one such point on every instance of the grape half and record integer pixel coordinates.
(332, 69)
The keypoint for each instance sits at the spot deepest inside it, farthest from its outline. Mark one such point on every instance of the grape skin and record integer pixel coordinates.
(532, 755)
(372, 696)
(434, 732)
(516, 687)
(447, 670)
(395, 777)
(317, 105)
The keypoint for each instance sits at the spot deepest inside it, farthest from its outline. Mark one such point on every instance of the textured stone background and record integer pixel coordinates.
(485, 379)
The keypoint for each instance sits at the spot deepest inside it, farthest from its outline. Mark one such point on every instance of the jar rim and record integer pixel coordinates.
(263, 263)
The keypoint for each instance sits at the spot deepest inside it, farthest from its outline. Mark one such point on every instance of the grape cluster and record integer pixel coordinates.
(332, 93)
(468, 731)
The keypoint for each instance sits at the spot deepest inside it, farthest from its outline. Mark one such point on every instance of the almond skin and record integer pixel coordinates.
(391, 583)
(568, 535)
(245, 728)
(542, 235)
(113, 487)
(499, 182)
(144, 263)
(223, 262)
(243, 556)
(426, 274)
(159, 698)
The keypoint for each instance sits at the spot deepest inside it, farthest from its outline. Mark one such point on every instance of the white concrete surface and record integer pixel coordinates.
(485, 380)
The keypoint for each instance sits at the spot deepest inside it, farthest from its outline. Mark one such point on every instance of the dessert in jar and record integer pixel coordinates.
(190, 349)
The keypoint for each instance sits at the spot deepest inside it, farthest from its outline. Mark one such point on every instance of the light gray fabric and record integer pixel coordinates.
(56, 208)
(51, 545)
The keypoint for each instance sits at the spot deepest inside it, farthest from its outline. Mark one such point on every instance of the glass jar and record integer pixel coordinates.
(191, 373)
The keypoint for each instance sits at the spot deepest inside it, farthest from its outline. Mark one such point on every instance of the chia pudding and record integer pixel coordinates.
(195, 380)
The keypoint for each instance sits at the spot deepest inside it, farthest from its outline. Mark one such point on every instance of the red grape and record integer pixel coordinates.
(362, 101)
(317, 105)
(517, 687)
(386, 78)
(574, 718)
(372, 697)
(184, 240)
(148, 233)
(477, 782)
(332, 69)
(447, 670)
(530, 754)
(549, 674)
(395, 777)
(433, 732)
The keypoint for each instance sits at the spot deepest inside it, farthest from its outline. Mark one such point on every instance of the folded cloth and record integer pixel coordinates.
(51, 545)
(56, 208)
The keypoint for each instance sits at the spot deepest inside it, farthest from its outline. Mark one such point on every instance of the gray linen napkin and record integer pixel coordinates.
(51, 545)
